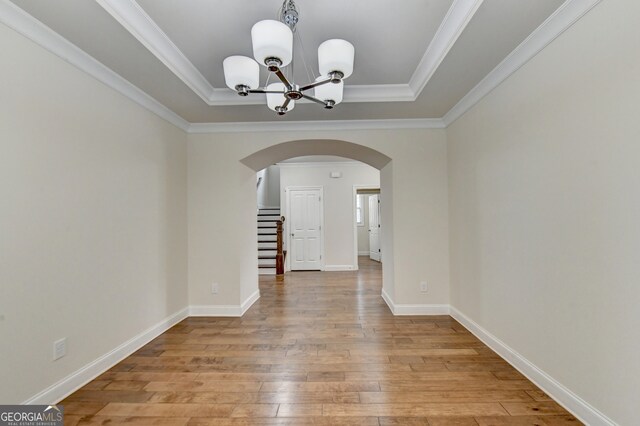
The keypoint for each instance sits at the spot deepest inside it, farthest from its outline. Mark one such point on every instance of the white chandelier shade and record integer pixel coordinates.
(273, 48)
(336, 55)
(272, 39)
(275, 100)
(329, 92)
(241, 71)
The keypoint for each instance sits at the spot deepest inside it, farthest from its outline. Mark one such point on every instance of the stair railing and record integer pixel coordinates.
(280, 253)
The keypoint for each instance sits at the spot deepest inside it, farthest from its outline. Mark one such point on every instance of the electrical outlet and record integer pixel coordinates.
(215, 288)
(423, 286)
(59, 348)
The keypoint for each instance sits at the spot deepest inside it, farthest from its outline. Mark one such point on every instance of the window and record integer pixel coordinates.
(360, 209)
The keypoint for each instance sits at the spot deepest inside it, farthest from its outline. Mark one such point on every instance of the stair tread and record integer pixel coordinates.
(267, 266)
(267, 257)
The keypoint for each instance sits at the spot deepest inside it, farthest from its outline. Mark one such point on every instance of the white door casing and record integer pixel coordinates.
(305, 228)
(374, 227)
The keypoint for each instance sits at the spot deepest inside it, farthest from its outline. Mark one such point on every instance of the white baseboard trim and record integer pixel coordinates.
(387, 300)
(563, 396)
(363, 253)
(224, 310)
(432, 309)
(65, 387)
(337, 268)
(403, 309)
(249, 302)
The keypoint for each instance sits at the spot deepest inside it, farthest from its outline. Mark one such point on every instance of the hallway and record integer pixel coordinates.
(320, 349)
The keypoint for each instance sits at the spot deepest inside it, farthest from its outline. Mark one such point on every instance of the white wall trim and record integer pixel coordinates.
(338, 268)
(135, 20)
(84, 375)
(363, 253)
(25, 24)
(253, 298)
(388, 301)
(141, 26)
(398, 309)
(425, 309)
(319, 164)
(457, 18)
(569, 400)
(215, 311)
(224, 310)
(279, 126)
(454, 23)
(556, 24)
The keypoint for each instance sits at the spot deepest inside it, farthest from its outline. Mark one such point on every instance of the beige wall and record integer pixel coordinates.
(338, 204)
(222, 238)
(363, 231)
(92, 218)
(545, 210)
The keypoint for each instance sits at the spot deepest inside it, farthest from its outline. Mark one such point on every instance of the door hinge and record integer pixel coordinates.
(320, 228)
(319, 198)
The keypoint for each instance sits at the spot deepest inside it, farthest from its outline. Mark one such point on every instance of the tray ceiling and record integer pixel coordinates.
(414, 59)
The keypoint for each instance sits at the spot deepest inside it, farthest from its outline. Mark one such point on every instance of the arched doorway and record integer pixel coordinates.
(268, 156)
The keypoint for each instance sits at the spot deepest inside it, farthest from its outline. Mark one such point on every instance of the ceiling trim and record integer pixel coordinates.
(20, 21)
(135, 20)
(454, 23)
(141, 26)
(556, 24)
(566, 15)
(278, 126)
(298, 164)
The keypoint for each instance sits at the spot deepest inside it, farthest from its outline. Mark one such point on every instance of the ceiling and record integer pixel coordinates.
(414, 59)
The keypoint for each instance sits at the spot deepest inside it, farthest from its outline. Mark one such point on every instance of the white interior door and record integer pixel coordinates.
(305, 227)
(374, 227)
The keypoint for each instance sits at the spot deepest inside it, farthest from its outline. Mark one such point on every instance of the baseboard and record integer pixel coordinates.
(60, 390)
(563, 396)
(338, 268)
(224, 310)
(249, 302)
(387, 300)
(399, 309)
(363, 253)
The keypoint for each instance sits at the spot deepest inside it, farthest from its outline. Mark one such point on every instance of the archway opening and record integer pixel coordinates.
(263, 162)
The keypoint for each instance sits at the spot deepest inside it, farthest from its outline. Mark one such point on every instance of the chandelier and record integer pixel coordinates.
(273, 48)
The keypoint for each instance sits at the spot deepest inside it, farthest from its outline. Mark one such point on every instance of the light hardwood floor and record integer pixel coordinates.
(318, 349)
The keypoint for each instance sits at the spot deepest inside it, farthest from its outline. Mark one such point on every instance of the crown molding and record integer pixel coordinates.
(556, 24)
(454, 23)
(279, 126)
(135, 20)
(299, 164)
(20, 21)
(570, 12)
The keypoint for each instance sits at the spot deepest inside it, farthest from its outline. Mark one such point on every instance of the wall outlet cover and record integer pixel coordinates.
(215, 288)
(59, 348)
(423, 286)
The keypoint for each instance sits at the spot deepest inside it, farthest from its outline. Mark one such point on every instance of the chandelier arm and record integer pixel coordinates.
(315, 84)
(265, 91)
(316, 100)
(286, 103)
(283, 79)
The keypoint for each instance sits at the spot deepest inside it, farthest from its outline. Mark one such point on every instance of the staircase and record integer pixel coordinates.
(267, 240)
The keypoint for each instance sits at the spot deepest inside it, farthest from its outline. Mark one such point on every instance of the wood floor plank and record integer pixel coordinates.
(415, 409)
(318, 349)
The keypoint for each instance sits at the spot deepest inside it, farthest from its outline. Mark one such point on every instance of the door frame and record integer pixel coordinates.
(287, 240)
(355, 223)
